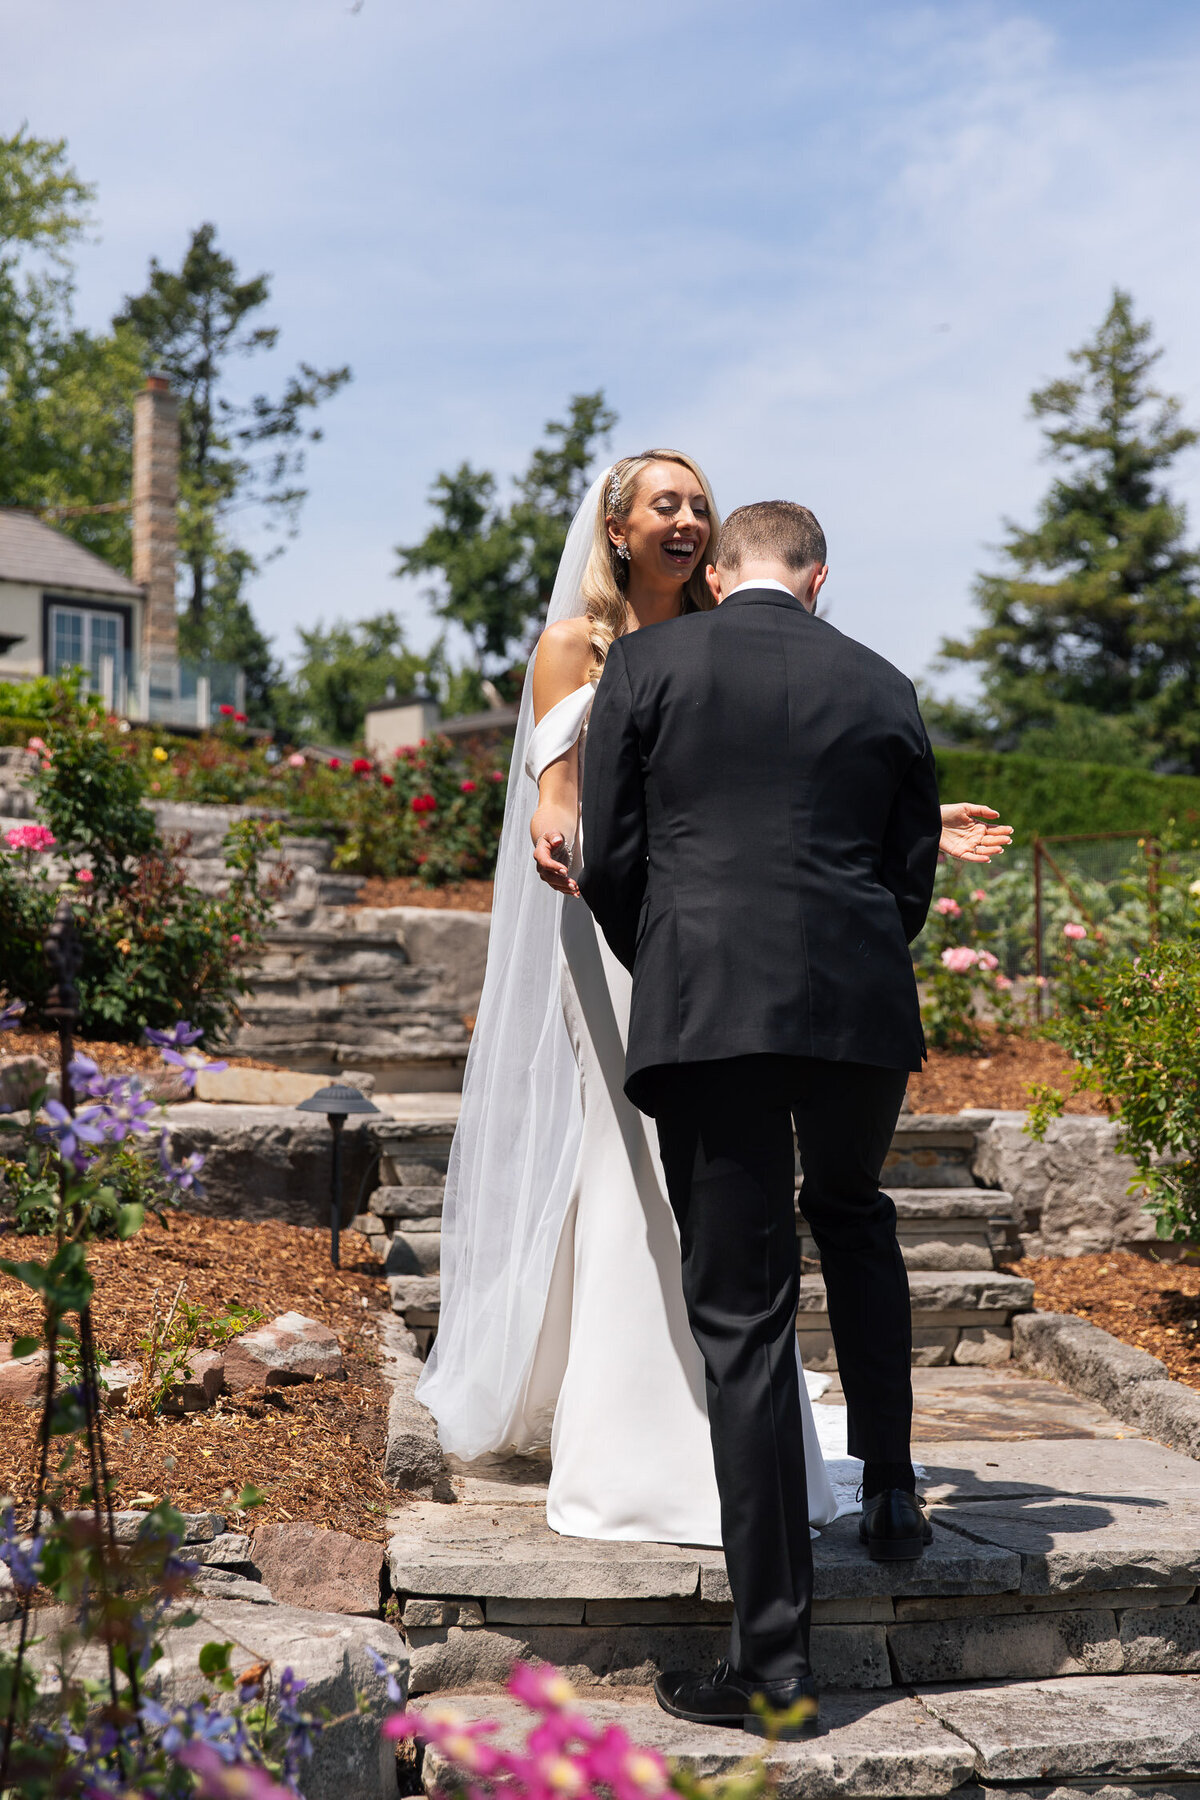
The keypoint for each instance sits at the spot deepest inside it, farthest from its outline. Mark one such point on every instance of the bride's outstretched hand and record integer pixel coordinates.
(968, 835)
(551, 856)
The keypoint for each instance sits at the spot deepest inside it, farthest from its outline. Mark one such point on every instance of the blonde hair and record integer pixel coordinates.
(606, 576)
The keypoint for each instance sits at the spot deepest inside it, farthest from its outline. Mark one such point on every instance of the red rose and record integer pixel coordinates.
(388, 780)
(497, 775)
(226, 712)
(467, 787)
(335, 762)
(362, 765)
(423, 803)
(240, 719)
(421, 857)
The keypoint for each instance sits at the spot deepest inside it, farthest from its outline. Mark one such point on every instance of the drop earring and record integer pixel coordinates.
(623, 552)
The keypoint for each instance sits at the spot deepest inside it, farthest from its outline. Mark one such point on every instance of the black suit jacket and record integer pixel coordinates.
(760, 832)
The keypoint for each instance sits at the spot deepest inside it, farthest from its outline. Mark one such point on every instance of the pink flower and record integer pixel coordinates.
(219, 1780)
(497, 774)
(959, 958)
(1003, 983)
(235, 937)
(949, 909)
(226, 712)
(29, 837)
(295, 760)
(38, 744)
(1042, 981)
(977, 894)
(543, 1688)
(1075, 932)
(987, 961)
(466, 787)
(84, 875)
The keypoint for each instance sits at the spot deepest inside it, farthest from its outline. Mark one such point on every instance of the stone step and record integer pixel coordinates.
(959, 1316)
(414, 1253)
(1038, 1585)
(1045, 1738)
(931, 1150)
(962, 1316)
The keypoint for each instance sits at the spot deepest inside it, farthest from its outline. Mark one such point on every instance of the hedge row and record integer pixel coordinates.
(1047, 798)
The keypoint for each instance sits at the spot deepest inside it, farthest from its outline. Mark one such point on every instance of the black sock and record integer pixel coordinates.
(880, 1475)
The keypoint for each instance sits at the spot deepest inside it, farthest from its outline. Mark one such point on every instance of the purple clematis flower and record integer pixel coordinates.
(21, 1555)
(183, 1174)
(11, 1015)
(190, 1063)
(178, 1038)
(74, 1133)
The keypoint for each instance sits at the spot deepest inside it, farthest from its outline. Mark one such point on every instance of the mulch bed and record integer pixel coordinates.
(401, 890)
(109, 1058)
(998, 1077)
(1152, 1305)
(315, 1451)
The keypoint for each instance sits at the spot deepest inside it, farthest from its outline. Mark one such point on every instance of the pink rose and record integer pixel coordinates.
(1075, 932)
(39, 744)
(1003, 983)
(295, 760)
(987, 961)
(977, 894)
(959, 958)
(466, 787)
(84, 875)
(235, 937)
(29, 837)
(949, 909)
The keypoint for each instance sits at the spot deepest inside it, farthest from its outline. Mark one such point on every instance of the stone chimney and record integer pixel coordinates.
(155, 529)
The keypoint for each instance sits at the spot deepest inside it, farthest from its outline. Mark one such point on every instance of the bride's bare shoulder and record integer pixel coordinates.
(564, 656)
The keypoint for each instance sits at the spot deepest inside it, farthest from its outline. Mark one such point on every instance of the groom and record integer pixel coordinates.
(760, 831)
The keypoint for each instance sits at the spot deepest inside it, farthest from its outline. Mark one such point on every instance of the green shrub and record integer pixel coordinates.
(1043, 799)
(1134, 1034)
(155, 948)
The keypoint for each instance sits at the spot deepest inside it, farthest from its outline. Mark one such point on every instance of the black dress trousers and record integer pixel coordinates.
(725, 1132)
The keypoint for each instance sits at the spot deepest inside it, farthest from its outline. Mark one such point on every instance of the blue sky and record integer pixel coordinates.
(826, 248)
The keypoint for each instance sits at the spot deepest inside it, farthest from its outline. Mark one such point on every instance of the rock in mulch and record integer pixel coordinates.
(203, 1379)
(289, 1350)
(329, 1571)
(22, 1377)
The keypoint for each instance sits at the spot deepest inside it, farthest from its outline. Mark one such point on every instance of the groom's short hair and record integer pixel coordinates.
(771, 531)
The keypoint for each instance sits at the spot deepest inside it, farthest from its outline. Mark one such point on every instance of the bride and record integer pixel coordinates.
(562, 1313)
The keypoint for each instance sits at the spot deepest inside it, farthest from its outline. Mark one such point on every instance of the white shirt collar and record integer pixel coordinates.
(742, 586)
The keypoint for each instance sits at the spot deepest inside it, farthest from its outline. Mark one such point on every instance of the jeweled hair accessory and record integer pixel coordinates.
(614, 488)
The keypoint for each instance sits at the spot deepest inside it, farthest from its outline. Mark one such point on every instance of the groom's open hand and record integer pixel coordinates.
(968, 835)
(550, 855)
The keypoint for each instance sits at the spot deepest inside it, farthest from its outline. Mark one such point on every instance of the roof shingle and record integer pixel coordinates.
(32, 551)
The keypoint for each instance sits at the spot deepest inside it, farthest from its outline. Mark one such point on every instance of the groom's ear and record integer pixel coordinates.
(714, 583)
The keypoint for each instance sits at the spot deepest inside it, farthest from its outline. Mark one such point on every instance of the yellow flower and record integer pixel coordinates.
(160, 754)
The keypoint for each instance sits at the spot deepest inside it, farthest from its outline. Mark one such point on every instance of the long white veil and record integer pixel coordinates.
(518, 1134)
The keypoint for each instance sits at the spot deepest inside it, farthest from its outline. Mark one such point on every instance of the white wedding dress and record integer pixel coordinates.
(615, 1362)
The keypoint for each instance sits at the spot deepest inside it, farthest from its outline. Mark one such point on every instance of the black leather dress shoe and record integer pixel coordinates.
(726, 1698)
(894, 1527)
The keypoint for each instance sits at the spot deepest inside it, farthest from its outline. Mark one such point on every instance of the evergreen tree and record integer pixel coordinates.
(1092, 636)
(196, 324)
(496, 565)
